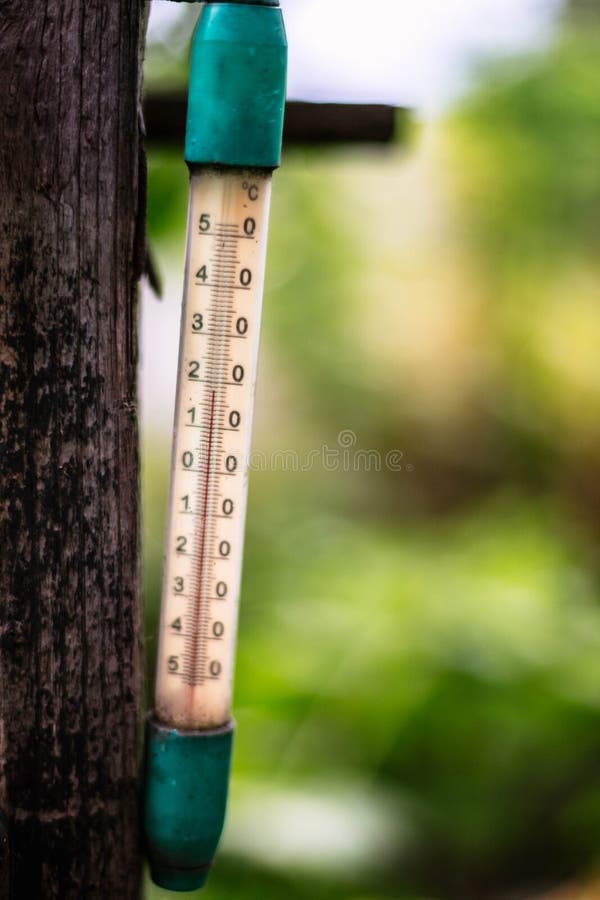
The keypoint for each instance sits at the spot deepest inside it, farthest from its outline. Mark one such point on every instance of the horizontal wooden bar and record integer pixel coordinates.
(305, 123)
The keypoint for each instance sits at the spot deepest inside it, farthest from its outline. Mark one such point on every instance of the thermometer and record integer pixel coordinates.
(233, 143)
(217, 368)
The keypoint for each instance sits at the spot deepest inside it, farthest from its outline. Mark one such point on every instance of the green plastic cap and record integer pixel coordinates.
(236, 96)
(185, 798)
(251, 2)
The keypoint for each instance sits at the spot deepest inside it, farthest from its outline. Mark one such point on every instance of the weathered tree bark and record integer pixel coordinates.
(70, 242)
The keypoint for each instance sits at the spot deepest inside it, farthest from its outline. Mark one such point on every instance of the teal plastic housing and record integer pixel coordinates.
(186, 781)
(252, 2)
(236, 97)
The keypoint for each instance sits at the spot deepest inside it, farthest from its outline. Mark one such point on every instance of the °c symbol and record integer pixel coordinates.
(251, 189)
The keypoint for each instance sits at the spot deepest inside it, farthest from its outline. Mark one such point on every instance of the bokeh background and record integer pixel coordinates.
(418, 676)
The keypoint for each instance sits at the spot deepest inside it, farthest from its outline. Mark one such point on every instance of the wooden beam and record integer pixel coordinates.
(305, 123)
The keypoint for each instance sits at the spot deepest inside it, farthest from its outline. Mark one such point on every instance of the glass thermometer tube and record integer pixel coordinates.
(224, 277)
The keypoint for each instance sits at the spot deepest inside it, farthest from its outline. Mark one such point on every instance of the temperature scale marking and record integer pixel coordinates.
(227, 233)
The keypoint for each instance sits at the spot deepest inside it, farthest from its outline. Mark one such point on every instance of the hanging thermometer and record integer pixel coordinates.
(233, 143)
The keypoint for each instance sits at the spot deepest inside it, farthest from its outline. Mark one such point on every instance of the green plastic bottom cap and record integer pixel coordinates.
(186, 782)
(179, 880)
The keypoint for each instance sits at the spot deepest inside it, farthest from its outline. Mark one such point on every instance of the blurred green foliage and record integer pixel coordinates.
(417, 691)
(529, 142)
(538, 130)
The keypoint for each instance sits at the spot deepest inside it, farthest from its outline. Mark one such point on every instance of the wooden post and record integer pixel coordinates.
(71, 241)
